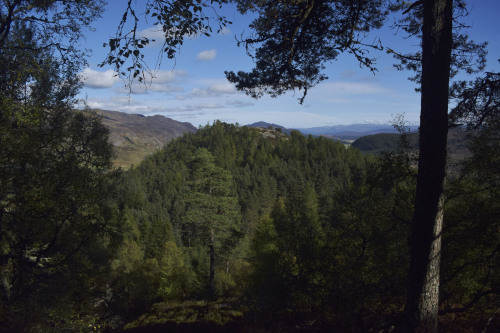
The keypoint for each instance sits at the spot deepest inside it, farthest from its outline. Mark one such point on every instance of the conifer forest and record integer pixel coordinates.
(233, 228)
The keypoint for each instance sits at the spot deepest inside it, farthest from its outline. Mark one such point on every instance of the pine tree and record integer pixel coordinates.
(212, 211)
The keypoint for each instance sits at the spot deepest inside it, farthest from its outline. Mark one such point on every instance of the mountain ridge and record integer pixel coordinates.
(340, 132)
(135, 136)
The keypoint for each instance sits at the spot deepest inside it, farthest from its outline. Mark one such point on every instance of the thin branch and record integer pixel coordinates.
(413, 6)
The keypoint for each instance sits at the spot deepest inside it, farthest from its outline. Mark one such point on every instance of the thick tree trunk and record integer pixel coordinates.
(423, 277)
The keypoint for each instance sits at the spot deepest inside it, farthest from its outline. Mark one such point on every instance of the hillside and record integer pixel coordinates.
(135, 136)
(377, 143)
(458, 148)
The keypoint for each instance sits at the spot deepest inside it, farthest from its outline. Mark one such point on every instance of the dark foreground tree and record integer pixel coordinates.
(422, 300)
(474, 205)
(60, 23)
(54, 187)
(53, 214)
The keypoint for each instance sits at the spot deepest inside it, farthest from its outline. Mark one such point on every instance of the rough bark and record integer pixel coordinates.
(423, 277)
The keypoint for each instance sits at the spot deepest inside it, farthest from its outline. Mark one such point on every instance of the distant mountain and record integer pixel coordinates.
(134, 136)
(352, 131)
(345, 133)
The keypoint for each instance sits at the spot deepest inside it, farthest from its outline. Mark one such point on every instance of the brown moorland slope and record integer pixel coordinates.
(135, 136)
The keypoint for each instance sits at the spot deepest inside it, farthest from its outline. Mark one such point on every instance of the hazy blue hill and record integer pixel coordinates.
(353, 128)
(351, 132)
(337, 132)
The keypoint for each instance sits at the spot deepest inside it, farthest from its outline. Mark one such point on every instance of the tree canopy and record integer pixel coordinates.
(55, 162)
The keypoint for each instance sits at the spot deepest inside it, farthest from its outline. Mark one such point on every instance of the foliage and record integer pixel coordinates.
(289, 251)
(59, 25)
(382, 142)
(289, 196)
(473, 240)
(56, 216)
(467, 55)
(194, 315)
(470, 256)
(294, 39)
(477, 102)
(211, 217)
(175, 20)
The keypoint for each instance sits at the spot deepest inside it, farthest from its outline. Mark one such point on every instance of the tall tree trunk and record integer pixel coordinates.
(211, 286)
(211, 283)
(425, 241)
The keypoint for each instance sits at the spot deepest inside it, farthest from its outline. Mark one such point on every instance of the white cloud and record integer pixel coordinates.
(159, 81)
(375, 122)
(350, 88)
(239, 103)
(166, 88)
(225, 31)
(195, 107)
(113, 103)
(143, 88)
(162, 77)
(214, 90)
(346, 92)
(156, 35)
(168, 76)
(222, 88)
(153, 33)
(98, 80)
(207, 55)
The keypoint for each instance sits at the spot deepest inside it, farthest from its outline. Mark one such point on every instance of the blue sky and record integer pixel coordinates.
(194, 88)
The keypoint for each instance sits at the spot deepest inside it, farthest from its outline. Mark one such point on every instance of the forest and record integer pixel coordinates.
(278, 232)
(231, 217)
(236, 229)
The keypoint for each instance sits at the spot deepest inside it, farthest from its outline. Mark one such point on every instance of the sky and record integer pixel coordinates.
(193, 88)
